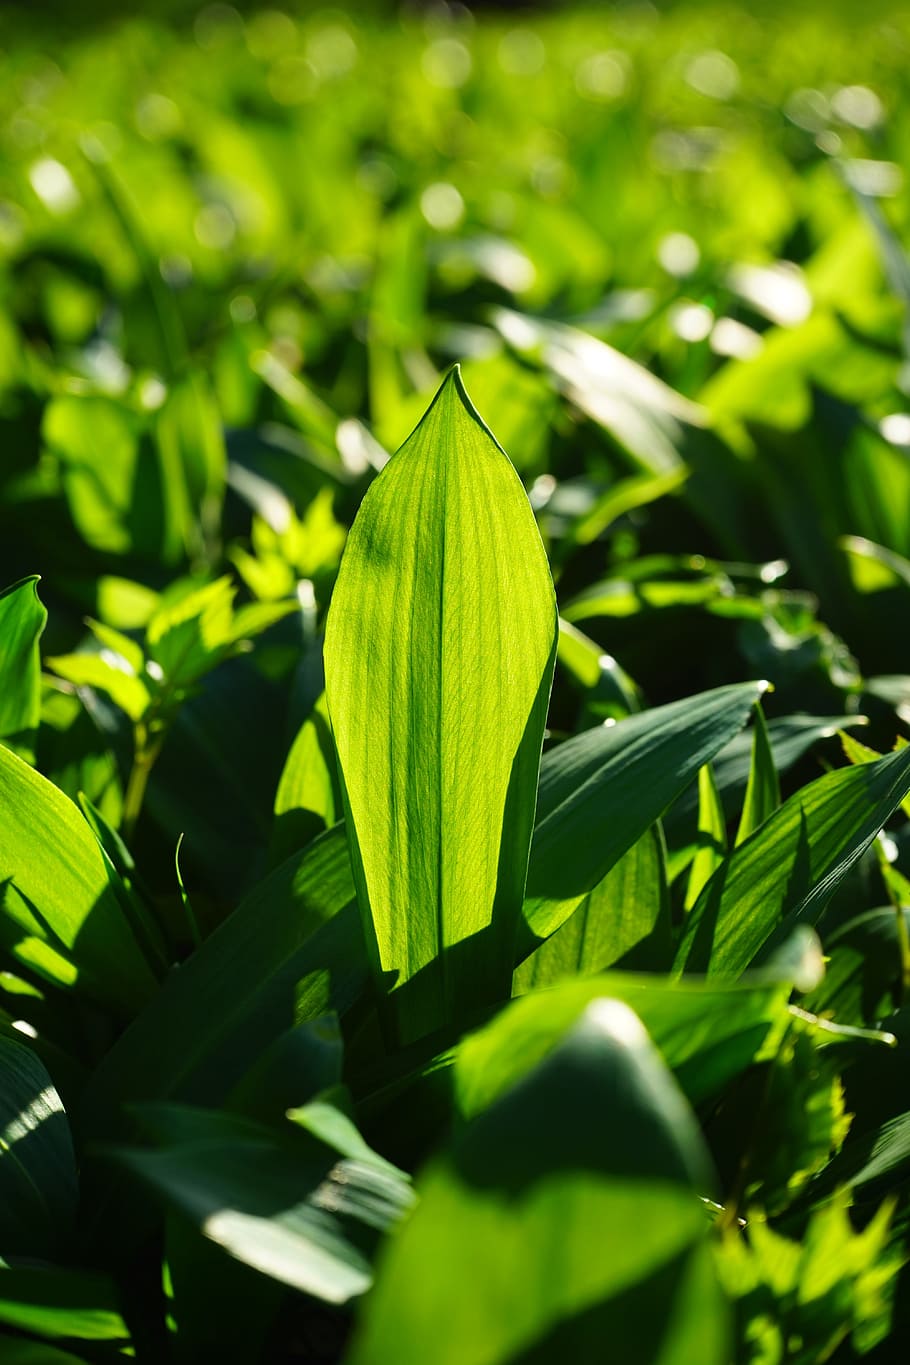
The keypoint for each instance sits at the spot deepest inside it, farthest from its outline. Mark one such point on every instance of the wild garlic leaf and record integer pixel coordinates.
(439, 656)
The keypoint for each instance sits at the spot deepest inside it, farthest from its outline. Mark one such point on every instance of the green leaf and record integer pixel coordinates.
(790, 737)
(625, 918)
(73, 754)
(878, 1159)
(292, 949)
(862, 981)
(706, 1033)
(857, 752)
(763, 788)
(711, 837)
(61, 911)
(55, 1302)
(22, 618)
(439, 654)
(308, 800)
(642, 413)
(110, 673)
(565, 1217)
(601, 790)
(18, 1351)
(193, 459)
(787, 870)
(186, 637)
(623, 497)
(38, 1183)
(278, 1200)
(782, 1122)
(291, 1070)
(113, 504)
(874, 566)
(801, 1299)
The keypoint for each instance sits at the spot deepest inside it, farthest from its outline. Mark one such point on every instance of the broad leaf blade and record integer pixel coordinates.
(307, 800)
(439, 654)
(289, 950)
(601, 790)
(787, 870)
(565, 1214)
(38, 1183)
(626, 918)
(280, 1201)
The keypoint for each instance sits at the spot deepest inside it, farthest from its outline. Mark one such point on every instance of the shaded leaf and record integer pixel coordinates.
(565, 1212)
(38, 1183)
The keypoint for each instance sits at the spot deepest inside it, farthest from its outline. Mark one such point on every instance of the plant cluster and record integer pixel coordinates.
(454, 905)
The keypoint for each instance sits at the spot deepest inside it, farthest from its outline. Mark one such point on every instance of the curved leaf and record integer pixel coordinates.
(38, 1185)
(565, 1217)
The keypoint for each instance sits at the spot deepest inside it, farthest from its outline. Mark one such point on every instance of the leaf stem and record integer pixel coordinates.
(146, 751)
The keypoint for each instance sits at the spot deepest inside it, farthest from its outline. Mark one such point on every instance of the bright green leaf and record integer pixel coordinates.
(439, 654)
(565, 1217)
(601, 790)
(61, 911)
(625, 918)
(58, 1302)
(763, 788)
(787, 870)
(711, 836)
(22, 618)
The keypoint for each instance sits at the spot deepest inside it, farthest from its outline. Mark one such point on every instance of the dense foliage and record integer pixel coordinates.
(401, 961)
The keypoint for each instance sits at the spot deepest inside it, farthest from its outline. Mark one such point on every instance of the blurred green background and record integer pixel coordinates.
(239, 246)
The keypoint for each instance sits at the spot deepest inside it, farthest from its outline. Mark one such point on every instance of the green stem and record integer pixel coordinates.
(146, 752)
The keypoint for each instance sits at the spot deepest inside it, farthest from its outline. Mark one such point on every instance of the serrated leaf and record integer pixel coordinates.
(439, 654)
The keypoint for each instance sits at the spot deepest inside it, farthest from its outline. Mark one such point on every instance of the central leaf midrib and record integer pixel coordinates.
(440, 703)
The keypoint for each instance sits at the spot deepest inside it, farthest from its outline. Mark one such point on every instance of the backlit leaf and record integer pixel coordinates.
(439, 654)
